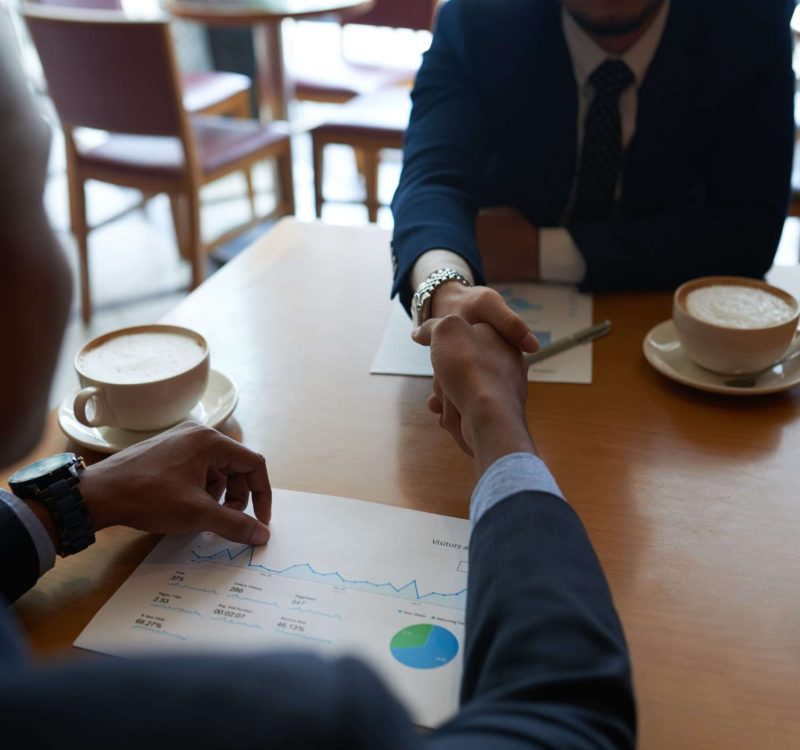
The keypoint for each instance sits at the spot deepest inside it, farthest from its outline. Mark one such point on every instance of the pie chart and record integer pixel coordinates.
(424, 646)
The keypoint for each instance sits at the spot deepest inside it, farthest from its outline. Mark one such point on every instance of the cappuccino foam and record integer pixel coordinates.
(735, 306)
(141, 357)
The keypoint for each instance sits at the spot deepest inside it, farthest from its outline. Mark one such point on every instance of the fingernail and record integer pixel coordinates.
(260, 535)
(530, 343)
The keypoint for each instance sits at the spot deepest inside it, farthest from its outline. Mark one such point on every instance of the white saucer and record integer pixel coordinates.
(216, 405)
(663, 350)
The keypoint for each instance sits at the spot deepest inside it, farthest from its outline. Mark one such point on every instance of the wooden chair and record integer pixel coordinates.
(368, 124)
(117, 75)
(338, 80)
(204, 92)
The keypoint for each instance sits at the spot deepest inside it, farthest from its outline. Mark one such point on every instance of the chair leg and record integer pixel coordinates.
(242, 106)
(286, 182)
(80, 230)
(361, 160)
(251, 193)
(194, 238)
(370, 156)
(318, 148)
(180, 220)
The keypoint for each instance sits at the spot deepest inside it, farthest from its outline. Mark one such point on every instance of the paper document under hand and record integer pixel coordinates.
(338, 576)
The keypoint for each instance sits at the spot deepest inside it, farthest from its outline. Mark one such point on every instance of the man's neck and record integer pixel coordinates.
(619, 44)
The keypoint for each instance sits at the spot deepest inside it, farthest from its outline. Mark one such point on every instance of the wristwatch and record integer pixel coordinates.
(53, 482)
(421, 301)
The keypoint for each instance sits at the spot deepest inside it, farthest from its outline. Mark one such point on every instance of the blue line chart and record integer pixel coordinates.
(305, 637)
(250, 599)
(314, 612)
(154, 631)
(193, 588)
(306, 572)
(237, 622)
(179, 609)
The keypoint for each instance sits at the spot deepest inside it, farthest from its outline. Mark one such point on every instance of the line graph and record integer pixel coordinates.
(229, 621)
(306, 572)
(326, 641)
(193, 588)
(265, 602)
(315, 612)
(159, 632)
(178, 609)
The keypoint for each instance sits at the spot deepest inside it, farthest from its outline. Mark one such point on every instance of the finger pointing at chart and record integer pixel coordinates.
(173, 482)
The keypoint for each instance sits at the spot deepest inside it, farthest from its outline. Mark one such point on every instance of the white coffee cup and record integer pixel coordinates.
(735, 346)
(144, 378)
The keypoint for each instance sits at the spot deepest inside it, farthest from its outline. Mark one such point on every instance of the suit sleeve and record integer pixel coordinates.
(736, 232)
(19, 560)
(259, 701)
(545, 666)
(444, 156)
(546, 663)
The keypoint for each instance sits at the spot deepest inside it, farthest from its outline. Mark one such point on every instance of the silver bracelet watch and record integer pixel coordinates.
(421, 301)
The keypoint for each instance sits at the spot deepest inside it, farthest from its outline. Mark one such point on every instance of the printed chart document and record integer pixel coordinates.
(338, 576)
(551, 312)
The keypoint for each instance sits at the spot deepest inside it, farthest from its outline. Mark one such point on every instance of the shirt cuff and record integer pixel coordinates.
(509, 475)
(559, 257)
(433, 260)
(45, 548)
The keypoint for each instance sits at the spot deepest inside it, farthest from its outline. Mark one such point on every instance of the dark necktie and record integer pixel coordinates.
(601, 157)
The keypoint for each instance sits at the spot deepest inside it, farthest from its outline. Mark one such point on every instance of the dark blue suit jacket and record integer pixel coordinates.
(545, 666)
(706, 177)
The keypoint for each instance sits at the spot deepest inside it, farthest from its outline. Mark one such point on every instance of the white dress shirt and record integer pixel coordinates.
(559, 257)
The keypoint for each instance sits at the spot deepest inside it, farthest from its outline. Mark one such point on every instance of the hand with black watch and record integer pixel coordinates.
(53, 483)
(171, 483)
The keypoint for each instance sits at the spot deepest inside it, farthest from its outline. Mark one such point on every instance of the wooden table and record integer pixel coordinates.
(266, 17)
(692, 500)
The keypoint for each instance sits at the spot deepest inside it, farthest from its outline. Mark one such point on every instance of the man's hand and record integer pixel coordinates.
(480, 388)
(480, 304)
(173, 483)
(508, 244)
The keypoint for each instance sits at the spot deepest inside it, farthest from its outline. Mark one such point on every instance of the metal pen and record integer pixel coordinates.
(584, 336)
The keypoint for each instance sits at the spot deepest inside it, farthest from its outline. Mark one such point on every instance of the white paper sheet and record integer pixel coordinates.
(550, 310)
(338, 576)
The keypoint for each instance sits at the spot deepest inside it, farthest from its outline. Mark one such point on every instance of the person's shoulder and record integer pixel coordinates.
(491, 15)
(737, 18)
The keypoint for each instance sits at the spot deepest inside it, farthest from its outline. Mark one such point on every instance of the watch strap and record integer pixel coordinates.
(70, 515)
(421, 302)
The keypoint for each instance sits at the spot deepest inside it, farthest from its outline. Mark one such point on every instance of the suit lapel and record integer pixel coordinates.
(670, 93)
(556, 108)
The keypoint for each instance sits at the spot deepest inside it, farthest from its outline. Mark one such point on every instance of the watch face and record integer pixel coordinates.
(42, 468)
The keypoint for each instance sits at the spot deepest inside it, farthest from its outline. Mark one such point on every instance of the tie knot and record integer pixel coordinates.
(611, 78)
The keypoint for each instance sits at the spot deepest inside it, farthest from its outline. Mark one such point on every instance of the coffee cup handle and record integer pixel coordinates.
(82, 399)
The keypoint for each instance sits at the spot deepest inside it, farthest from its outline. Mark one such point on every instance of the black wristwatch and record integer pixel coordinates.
(53, 482)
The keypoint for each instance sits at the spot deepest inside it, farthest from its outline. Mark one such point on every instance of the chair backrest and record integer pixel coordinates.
(108, 72)
(400, 14)
(94, 4)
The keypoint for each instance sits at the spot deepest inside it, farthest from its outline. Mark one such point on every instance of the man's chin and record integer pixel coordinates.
(615, 27)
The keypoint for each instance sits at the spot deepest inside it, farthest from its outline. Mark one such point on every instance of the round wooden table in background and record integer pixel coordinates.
(266, 16)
